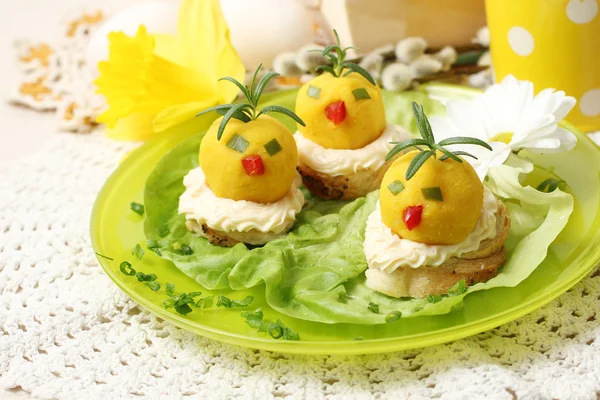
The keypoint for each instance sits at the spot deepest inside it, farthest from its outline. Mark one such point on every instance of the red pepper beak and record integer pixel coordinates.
(336, 112)
(253, 165)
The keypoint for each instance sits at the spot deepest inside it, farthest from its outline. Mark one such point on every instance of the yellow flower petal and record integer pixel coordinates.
(181, 113)
(205, 36)
(136, 80)
(133, 127)
(168, 79)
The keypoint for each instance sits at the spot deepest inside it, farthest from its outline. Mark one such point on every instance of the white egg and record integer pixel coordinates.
(159, 16)
(260, 29)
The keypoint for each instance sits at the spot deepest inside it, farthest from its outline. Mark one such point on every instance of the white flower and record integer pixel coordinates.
(510, 118)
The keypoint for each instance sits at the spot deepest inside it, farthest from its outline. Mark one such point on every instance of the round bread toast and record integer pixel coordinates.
(476, 266)
(230, 239)
(343, 187)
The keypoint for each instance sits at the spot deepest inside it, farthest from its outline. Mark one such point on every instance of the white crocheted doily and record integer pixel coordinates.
(67, 332)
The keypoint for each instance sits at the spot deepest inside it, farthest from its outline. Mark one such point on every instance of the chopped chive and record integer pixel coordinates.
(186, 250)
(126, 268)
(393, 316)
(361, 94)
(433, 193)
(459, 288)
(289, 334)
(182, 248)
(205, 302)
(273, 147)
(137, 208)
(434, 298)
(182, 302)
(154, 286)
(170, 289)
(549, 185)
(254, 319)
(313, 91)
(373, 307)
(163, 231)
(396, 187)
(237, 143)
(224, 301)
(275, 330)
(138, 252)
(142, 277)
(153, 246)
(103, 256)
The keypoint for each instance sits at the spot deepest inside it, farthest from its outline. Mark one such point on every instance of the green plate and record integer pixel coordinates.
(115, 230)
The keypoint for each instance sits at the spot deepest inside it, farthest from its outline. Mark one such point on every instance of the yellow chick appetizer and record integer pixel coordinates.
(435, 224)
(246, 188)
(343, 146)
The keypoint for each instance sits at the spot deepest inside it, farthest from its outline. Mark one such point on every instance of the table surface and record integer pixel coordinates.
(25, 131)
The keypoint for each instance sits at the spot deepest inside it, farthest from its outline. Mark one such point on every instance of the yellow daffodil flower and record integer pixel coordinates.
(156, 82)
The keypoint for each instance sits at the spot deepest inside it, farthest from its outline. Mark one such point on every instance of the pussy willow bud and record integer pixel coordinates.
(485, 59)
(396, 77)
(373, 63)
(309, 60)
(483, 37)
(447, 56)
(285, 64)
(410, 48)
(425, 65)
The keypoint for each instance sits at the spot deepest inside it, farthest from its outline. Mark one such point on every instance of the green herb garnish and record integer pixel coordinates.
(396, 187)
(361, 94)
(255, 319)
(273, 147)
(313, 91)
(434, 298)
(163, 231)
(182, 248)
(170, 289)
(237, 143)
(276, 329)
(126, 268)
(142, 277)
(427, 140)
(248, 111)
(137, 208)
(103, 256)
(337, 56)
(550, 185)
(433, 193)
(393, 316)
(226, 302)
(182, 302)
(138, 252)
(153, 246)
(459, 288)
(154, 286)
(373, 307)
(205, 302)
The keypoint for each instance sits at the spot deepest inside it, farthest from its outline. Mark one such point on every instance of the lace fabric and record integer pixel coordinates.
(66, 331)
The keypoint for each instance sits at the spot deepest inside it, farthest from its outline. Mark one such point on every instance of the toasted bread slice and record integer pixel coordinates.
(230, 239)
(343, 187)
(476, 266)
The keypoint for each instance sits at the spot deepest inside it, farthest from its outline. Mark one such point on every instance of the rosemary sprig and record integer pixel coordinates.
(248, 111)
(427, 141)
(337, 56)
